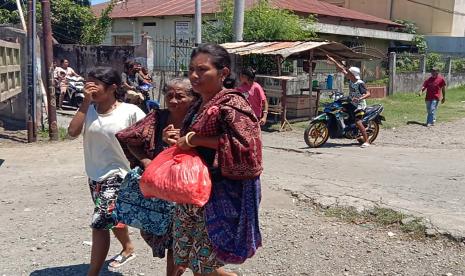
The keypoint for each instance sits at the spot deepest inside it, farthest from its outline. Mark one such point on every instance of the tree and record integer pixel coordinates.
(8, 12)
(95, 33)
(410, 27)
(261, 23)
(72, 20)
(69, 20)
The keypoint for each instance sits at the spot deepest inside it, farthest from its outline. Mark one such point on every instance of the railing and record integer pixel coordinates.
(10, 70)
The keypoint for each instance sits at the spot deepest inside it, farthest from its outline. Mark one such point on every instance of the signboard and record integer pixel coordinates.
(182, 29)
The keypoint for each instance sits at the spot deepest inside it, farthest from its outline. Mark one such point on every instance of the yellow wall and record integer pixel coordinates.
(429, 20)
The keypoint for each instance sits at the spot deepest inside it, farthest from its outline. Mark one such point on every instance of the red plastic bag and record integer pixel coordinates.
(177, 176)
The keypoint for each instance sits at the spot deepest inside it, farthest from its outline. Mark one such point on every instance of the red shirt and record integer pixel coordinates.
(434, 88)
(255, 95)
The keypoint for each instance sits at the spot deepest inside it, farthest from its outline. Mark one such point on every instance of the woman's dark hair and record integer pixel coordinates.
(229, 83)
(128, 65)
(108, 76)
(63, 60)
(249, 72)
(220, 57)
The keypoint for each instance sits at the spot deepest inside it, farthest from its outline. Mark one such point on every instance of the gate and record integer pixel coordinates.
(10, 70)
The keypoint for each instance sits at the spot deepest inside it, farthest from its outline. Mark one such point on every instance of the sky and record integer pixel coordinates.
(98, 1)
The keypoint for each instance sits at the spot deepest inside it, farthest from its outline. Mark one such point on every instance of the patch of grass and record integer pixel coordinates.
(415, 227)
(379, 216)
(62, 133)
(349, 214)
(384, 216)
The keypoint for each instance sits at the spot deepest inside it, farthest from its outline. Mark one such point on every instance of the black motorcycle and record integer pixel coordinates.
(336, 123)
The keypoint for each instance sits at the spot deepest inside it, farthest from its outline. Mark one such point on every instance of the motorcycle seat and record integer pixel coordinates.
(373, 108)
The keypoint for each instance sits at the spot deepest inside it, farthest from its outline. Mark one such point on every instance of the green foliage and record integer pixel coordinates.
(458, 65)
(434, 60)
(410, 27)
(261, 23)
(72, 20)
(8, 12)
(69, 20)
(407, 63)
(420, 42)
(95, 33)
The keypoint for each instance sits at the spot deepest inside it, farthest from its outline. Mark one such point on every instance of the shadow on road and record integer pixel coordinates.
(72, 270)
(415, 123)
(1, 162)
(336, 145)
(15, 136)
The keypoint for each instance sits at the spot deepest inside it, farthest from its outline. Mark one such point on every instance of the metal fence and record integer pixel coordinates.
(172, 54)
(411, 70)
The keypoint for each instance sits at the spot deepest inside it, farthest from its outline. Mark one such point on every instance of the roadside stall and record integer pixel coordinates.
(293, 96)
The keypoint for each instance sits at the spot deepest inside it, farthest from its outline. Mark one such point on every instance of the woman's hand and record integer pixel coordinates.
(263, 119)
(182, 143)
(145, 162)
(170, 135)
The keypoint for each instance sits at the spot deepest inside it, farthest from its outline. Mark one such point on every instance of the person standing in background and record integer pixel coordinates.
(435, 87)
(254, 93)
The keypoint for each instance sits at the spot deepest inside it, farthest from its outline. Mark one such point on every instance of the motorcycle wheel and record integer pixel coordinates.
(372, 131)
(316, 134)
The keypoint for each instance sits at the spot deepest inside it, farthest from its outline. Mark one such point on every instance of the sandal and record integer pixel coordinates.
(119, 260)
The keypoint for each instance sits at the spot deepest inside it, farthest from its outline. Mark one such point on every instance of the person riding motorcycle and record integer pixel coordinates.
(130, 83)
(60, 75)
(357, 95)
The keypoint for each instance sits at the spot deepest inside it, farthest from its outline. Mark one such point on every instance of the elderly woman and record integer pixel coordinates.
(224, 130)
(143, 142)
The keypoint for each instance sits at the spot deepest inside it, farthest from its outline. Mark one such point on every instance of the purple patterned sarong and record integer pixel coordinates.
(232, 219)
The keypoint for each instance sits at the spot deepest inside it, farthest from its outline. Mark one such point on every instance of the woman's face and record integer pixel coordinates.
(205, 78)
(244, 79)
(101, 92)
(178, 99)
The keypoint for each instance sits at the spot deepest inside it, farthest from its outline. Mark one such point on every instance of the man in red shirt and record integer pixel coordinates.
(435, 87)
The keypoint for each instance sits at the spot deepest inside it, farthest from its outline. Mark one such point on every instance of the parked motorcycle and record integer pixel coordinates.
(75, 93)
(335, 123)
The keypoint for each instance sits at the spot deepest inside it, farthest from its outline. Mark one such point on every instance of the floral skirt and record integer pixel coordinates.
(191, 246)
(104, 194)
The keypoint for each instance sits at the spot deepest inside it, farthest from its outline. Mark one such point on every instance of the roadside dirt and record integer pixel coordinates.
(45, 207)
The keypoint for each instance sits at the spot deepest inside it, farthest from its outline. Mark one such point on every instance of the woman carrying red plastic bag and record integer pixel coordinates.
(224, 130)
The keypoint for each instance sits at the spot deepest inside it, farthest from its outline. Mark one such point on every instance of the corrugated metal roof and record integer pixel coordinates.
(296, 49)
(156, 8)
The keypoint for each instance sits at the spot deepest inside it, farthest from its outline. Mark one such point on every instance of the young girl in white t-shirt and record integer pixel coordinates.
(101, 116)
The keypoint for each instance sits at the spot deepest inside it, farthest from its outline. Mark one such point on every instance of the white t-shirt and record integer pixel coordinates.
(68, 71)
(103, 154)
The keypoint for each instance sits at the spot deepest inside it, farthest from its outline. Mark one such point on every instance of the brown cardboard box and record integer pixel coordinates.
(300, 101)
(299, 113)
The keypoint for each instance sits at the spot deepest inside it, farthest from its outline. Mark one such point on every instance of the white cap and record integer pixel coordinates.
(355, 71)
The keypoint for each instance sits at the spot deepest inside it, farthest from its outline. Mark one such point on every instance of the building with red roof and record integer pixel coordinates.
(175, 18)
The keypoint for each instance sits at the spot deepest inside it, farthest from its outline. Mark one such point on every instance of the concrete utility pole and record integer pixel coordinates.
(198, 21)
(48, 57)
(239, 9)
(32, 71)
(21, 15)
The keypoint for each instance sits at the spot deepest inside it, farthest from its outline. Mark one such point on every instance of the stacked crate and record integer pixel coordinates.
(301, 106)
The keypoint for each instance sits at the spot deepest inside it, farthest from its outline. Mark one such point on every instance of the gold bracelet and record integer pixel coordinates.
(188, 137)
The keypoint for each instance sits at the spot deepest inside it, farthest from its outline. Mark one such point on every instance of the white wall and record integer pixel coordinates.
(164, 28)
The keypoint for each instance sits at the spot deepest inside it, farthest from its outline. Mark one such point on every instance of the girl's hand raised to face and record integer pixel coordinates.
(89, 89)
